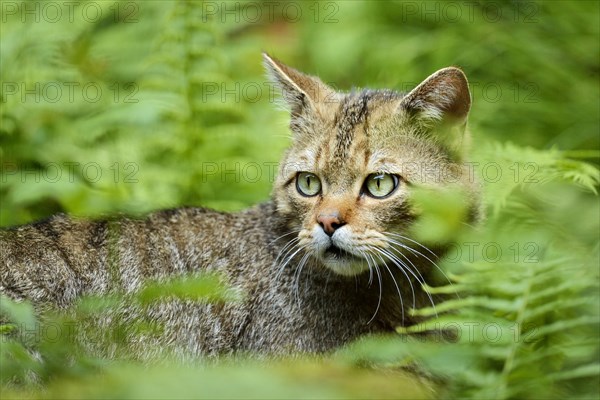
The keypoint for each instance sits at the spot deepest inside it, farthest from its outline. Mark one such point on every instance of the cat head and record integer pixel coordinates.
(344, 186)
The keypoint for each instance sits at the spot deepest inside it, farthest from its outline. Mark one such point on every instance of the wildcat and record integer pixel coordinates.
(326, 260)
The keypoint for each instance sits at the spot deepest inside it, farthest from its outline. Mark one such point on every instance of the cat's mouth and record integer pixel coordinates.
(343, 262)
(340, 254)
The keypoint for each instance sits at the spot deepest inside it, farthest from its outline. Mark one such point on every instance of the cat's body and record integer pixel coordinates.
(324, 262)
(279, 311)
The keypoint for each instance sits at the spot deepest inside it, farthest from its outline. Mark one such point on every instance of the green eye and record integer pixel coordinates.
(308, 184)
(381, 185)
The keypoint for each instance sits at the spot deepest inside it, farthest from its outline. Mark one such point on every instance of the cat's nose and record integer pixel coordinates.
(330, 222)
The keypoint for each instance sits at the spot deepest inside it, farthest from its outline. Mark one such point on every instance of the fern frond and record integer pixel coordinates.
(521, 167)
(553, 305)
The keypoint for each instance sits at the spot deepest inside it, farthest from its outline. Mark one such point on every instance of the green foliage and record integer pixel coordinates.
(530, 329)
(49, 357)
(441, 211)
(33, 352)
(121, 115)
(155, 104)
(209, 287)
(509, 167)
(522, 309)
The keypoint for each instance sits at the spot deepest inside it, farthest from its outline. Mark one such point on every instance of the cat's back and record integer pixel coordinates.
(60, 258)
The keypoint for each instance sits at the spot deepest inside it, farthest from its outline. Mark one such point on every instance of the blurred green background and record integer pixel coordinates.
(132, 106)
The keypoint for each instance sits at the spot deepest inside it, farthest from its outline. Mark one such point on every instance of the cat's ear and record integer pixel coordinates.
(441, 103)
(301, 92)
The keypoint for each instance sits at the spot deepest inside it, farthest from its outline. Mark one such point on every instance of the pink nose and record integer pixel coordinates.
(330, 222)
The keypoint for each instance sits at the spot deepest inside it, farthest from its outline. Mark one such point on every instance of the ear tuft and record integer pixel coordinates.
(443, 96)
(440, 106)
(301, 92)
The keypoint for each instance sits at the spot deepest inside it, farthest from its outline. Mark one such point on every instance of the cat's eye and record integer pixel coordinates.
(308, 184)
(381, 185)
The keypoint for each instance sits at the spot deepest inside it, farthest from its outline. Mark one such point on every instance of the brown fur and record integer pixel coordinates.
(301, 302)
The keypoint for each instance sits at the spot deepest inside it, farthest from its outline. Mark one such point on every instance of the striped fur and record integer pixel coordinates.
(295, 298)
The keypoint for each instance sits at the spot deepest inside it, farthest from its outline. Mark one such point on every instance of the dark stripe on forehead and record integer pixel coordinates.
(353, 111)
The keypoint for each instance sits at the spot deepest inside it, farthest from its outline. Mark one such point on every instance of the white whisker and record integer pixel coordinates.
(415, 273)
(289, 248)
(395, 284)
(284, 235)
(413, 241)
(380, 292)
(297, 276)
(421, 281)
(364, 254)
(418, 253)
(289, 258)
(416, 269)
